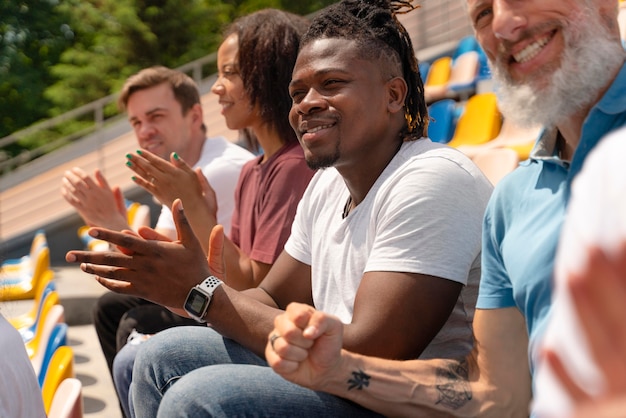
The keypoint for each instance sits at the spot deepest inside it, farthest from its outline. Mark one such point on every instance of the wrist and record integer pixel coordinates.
(199, 298)
(337, 376)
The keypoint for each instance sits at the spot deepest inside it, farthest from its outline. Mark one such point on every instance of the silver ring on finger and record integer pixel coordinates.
(273, 339)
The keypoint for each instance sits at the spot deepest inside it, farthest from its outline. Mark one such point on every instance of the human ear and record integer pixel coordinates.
(196, 113)
(397, 90)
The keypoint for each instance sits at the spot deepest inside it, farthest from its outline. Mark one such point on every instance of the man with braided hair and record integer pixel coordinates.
(558, 63)
(386, 237)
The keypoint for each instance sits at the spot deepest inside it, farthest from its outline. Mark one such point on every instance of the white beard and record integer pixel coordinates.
(589, 58)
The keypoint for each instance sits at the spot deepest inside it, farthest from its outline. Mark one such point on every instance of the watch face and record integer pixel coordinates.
(196, 302)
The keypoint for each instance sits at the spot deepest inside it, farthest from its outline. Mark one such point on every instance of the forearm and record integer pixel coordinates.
(241, 271)
(492, 381)
(201, 219)
(246, 317)
(432, 388)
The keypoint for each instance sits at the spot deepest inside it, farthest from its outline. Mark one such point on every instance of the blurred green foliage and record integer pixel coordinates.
(56, 55)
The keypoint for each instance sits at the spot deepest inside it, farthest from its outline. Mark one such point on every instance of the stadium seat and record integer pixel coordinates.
(438, 76)
(68, 400)
(461, 82)
(36, 348)
(442, 120)
(464, 75)
(138, 215)
(61, 367)
(24, 277)
(31, 320)
(91, 243)
(18, 266)
(58, 338)
(480, 121)
(424, 67)
(466, 44)
(28, 283)
(519, 139)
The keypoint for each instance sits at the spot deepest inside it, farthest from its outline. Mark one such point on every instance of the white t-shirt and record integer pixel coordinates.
(221, 162)
(20, 395)
(595, 217)
(422, 215)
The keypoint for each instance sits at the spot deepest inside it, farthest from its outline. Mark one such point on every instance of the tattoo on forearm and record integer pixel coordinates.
(453, 385)
(359, 380)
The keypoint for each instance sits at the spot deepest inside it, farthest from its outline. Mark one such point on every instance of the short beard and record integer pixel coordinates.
(323, 161)
(589, 58)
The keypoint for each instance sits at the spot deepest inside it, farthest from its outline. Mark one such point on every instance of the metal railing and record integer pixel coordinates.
(94, 111)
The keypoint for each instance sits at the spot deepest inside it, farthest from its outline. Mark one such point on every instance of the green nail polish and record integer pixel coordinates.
(129, 156)
(176, 157)
(139, 152)
(129, 164)
(133, 178)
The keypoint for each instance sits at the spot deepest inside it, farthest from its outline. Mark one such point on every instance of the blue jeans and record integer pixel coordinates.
(123, 373)
(195, 372)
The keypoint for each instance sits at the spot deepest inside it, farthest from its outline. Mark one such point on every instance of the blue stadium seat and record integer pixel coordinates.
(442, 123)
(466, 44)
(424, 68)
(27, 324)
(58, 338)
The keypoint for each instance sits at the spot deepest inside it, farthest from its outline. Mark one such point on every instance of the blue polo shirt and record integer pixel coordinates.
(523, 220)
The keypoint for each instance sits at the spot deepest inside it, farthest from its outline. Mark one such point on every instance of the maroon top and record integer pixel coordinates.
(266, 198)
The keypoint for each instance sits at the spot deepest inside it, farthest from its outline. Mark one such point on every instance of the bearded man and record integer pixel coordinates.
(559, 63)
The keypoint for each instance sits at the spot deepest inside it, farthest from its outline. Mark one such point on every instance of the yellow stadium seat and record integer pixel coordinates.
(438, 75)
(138, 215)
(30, 282)
(479, 123)
(461, 80)
(36, 348)
(61, 367)
(520, 139)
(18, 267)
(27, 323)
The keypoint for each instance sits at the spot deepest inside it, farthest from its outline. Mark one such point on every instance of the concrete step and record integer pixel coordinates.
(99, 397)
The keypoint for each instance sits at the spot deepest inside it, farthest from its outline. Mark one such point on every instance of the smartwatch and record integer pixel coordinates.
(199, 298)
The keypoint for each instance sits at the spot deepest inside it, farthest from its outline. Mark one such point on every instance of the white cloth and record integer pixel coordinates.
(20, 395)
(422, 215)
(595, 217)
(221, 162)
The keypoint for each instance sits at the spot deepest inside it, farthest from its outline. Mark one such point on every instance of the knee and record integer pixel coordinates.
(224, 391)
(199, 393)
(181, 400)
(155, 362)
(157, 347)
(172, 352)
